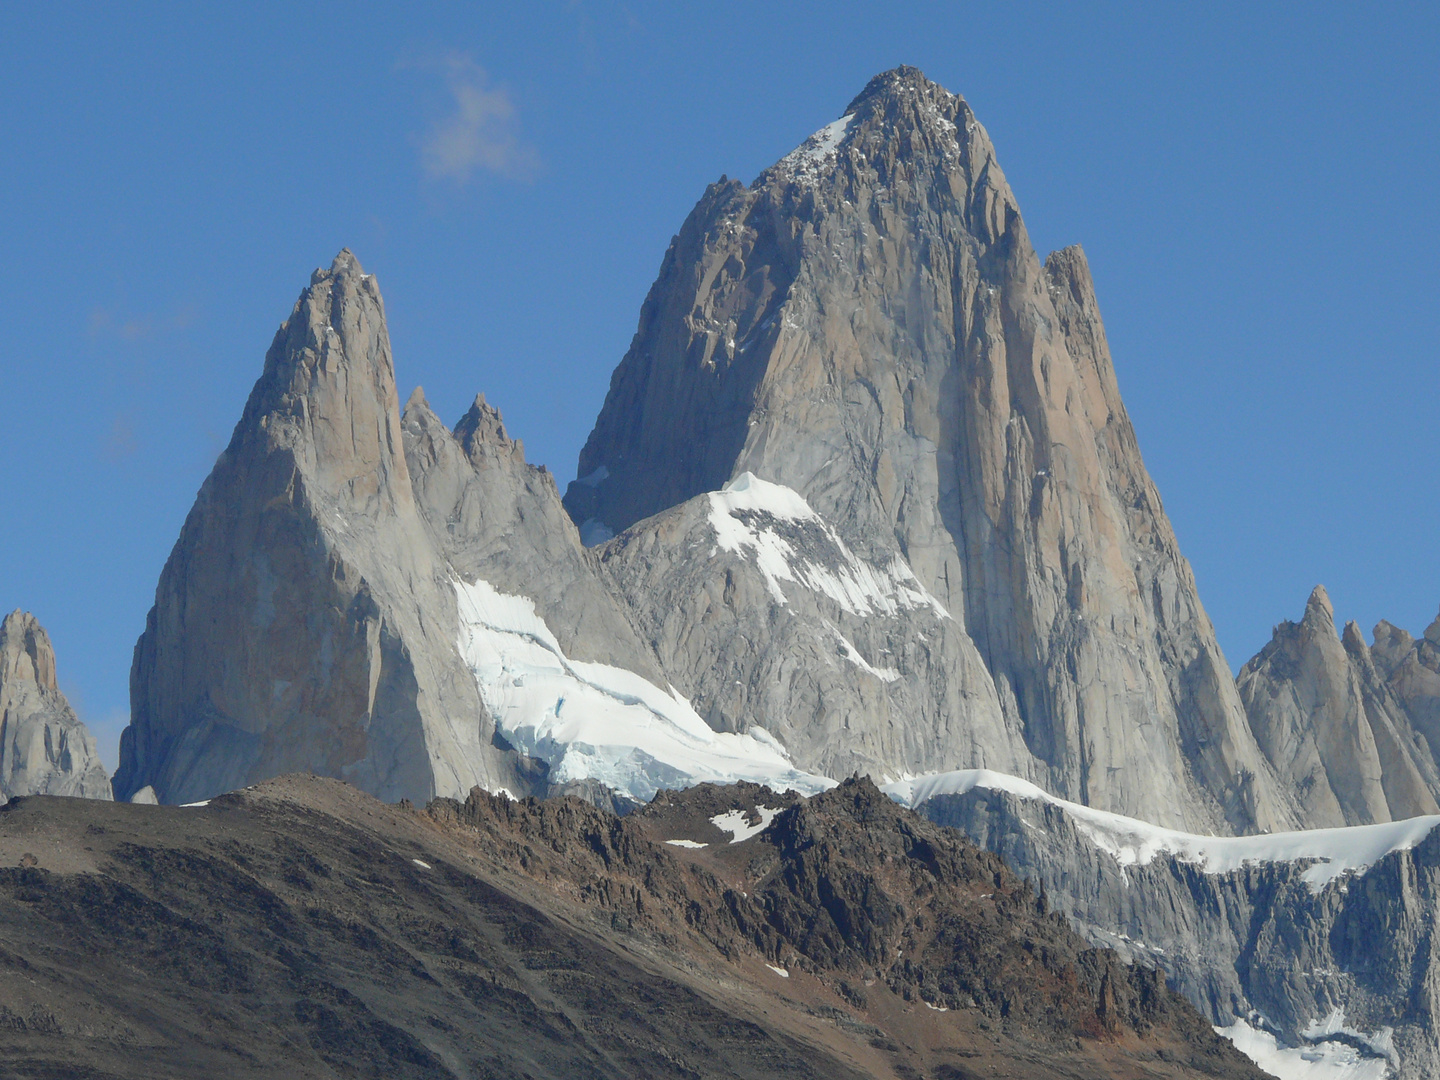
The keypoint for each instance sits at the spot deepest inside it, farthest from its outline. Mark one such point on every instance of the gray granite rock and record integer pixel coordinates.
(1332, 728)
(44, 747)
(868, 324)
(1411, 669)
(849, 662)
(303, 621)
(492, 516)
(1256, 942)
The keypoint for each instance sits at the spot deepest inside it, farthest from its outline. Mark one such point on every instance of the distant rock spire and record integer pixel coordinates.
(44, 747)
(303, 621)
(1329, 726)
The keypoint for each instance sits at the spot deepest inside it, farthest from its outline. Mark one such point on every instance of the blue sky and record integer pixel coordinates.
(1256, 187)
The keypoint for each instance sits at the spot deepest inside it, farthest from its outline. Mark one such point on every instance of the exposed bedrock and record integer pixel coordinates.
(1333, 727)
(868, 324)
(303, 621)
(44, 747)
(1260, 939)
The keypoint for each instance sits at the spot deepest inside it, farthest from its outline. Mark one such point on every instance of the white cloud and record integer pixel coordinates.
(480, 131)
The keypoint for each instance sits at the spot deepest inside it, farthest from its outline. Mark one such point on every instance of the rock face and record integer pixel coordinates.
(1331, 727)
(44, 748)
(492, 516)
(761, 614)
(1411, 670)
(1345, 965)
(379, 599)
(876, 497)
(303, 620)
(868, 325)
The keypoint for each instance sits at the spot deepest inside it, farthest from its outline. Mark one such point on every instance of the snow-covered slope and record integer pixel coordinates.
(1322, 1059)
(1314, 951)
(1133, 842)
(598, 722)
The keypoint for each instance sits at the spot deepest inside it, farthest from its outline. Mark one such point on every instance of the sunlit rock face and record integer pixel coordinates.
(303, 621)
(44, 747)
(868, 325)
(1333, 729)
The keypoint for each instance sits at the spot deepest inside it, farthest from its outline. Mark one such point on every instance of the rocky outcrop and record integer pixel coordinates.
(1411, 670)
(1335, 965)
(303, 620)
(1330, 726)
(868, 325)
(44, 747)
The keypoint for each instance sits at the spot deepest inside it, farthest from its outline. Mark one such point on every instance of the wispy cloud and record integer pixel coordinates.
(479, 132)
(112, 323)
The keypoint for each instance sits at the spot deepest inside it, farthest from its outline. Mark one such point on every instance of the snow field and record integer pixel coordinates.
(1136, 843)
(1323, 1061)
(594, 721)
(735, 824)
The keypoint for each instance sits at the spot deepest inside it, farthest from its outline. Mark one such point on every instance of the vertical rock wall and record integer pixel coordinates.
(44, 748)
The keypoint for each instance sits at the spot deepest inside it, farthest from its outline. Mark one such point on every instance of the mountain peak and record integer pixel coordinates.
(900, 116)
(46, 749)
(1319, 608)
(344, 265)
(482, 427)
(899, 82)
(25, 650)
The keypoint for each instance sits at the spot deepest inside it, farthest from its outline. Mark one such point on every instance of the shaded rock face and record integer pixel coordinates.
(302, 620)
(869, 325)
(490, 515)
(1258, 939)
(1329, 722)
(44, 747)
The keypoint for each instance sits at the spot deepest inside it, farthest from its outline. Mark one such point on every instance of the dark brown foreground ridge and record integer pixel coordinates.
(303, 929)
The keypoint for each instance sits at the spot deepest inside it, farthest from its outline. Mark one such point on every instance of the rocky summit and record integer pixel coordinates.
(1332, 726)
(303, 620)
(44, 748)
(868, 325)
(863, 498)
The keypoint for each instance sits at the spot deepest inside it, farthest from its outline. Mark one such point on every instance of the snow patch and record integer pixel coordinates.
(1380, 1043)
(202, 802)
(687, 843)
(857, 586)
(806, 160)
(1136, 843)
(779, 971)
(733, 822)
(1320, 1061)
(852, 654)
(594, 721)
(421, 863)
